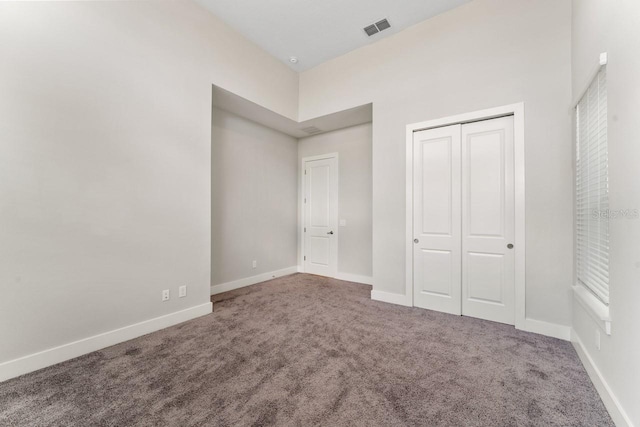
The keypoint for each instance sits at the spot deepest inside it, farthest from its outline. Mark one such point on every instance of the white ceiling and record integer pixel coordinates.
(318, 30)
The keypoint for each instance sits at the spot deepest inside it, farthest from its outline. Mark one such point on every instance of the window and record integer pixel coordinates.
(592, 189)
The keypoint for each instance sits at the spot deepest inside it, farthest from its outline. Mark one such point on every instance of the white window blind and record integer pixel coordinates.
(592, 189)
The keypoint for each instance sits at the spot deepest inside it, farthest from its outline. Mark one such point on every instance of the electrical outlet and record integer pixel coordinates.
(165, 295)
(182, 291)
(597, 340)
(255, 264)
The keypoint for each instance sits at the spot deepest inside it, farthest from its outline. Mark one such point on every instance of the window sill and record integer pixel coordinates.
(596, 308)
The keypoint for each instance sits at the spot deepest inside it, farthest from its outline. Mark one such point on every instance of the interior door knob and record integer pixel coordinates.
(416, 241)
(510, 246)
(330, 232)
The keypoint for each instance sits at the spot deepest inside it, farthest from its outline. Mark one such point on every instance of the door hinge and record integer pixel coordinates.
(305, 171)
(305, 200)
(305, 257)
(305, 229)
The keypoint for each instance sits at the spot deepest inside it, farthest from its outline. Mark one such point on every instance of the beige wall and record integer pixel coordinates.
(105, 190)
(254, 199)
(484, 54)
(614, 27)
(353, 146)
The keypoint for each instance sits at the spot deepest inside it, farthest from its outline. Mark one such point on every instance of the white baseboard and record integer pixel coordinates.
(33, 362)
(248, 281)
(391, 298)
(548, 329)
(531, 325)
(347, 277)
(618, 415)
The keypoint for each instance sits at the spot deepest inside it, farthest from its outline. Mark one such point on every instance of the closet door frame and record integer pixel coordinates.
(517, 111)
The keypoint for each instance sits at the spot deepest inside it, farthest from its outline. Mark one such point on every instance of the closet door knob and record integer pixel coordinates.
(510, 246)
(416, 241)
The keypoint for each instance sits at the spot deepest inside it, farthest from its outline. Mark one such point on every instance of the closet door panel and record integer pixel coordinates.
(436, 219)
(488, 203)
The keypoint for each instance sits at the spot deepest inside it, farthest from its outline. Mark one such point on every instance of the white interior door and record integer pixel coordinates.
(321, 216)
(488, 220)
(436, 219)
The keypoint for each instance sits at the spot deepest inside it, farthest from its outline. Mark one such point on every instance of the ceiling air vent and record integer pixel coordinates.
(383, 25)
(377, 27)
(371, 29)
(311, 130)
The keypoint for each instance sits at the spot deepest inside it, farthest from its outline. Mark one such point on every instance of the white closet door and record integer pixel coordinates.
(488, 271)
(436, 219)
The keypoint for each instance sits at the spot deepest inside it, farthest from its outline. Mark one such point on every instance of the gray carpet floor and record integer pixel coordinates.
(305, 350)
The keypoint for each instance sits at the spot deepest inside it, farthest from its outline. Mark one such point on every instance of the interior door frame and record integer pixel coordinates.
(301, 233)
(517, 111)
